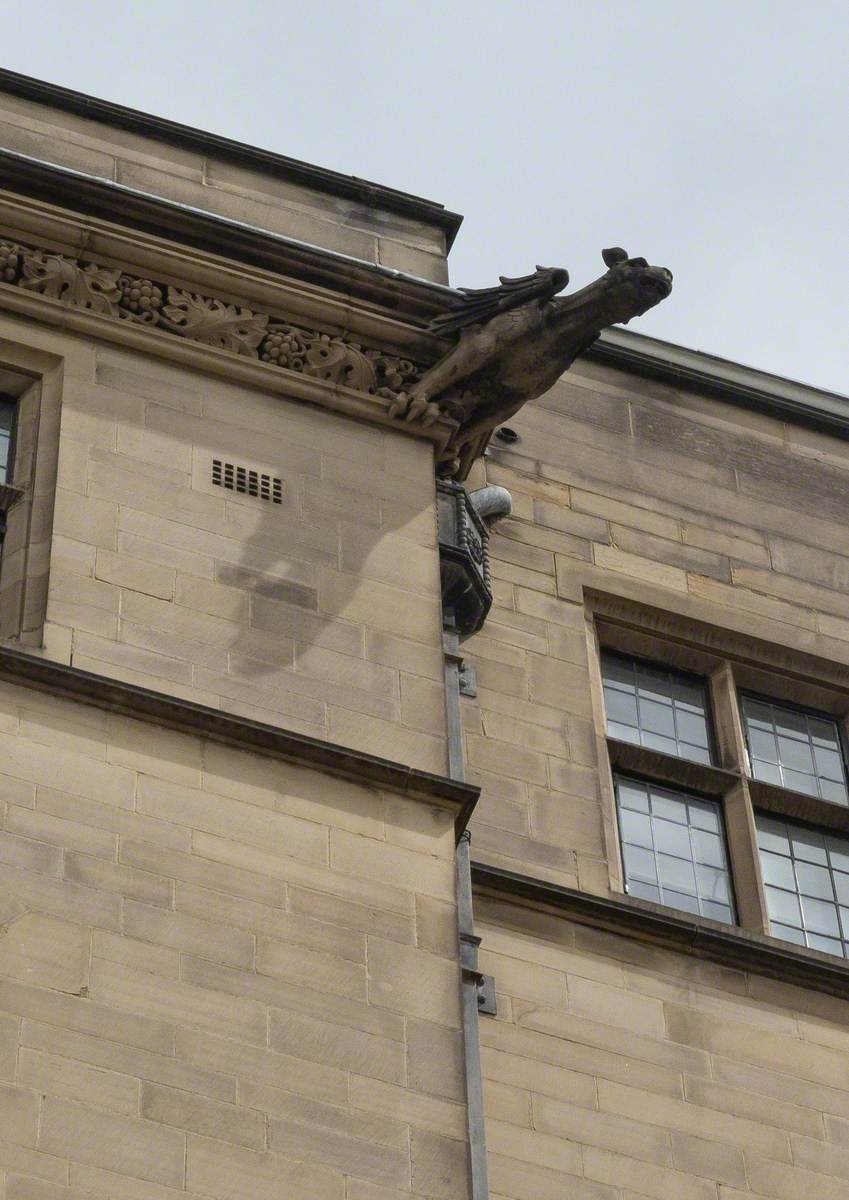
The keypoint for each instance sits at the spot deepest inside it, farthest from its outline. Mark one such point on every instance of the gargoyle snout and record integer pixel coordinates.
(655, 284)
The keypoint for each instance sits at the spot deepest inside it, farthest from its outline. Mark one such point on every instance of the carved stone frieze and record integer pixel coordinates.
(88, 286)
(206, 319)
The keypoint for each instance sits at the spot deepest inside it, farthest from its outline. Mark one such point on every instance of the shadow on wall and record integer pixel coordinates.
(319, 612)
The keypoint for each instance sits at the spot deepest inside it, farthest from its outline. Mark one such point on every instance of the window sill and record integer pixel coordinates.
(726, 945)
(701, 778)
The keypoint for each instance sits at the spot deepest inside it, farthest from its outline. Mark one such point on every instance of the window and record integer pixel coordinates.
(728, 774)
(31, 388)
(673, 849)
(8, 409)
(794, 749)
(652, 706)
(7, 427)
(806, 878)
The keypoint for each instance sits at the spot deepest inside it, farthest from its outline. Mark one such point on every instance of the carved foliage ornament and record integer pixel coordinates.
(213, 322)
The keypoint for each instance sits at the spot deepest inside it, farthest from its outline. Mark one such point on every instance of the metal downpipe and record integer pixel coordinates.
(468, 940)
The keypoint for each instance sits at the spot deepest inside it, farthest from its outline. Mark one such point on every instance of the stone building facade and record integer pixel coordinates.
(240, 755)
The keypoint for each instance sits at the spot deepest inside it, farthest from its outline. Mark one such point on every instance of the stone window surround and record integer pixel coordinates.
(34, 379)
(720, 656)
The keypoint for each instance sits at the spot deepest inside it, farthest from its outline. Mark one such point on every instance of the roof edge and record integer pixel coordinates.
(79, 193)
(416, 299)
(723, 379)
(349, 187)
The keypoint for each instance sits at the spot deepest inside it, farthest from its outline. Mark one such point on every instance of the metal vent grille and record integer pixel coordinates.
(246, 481)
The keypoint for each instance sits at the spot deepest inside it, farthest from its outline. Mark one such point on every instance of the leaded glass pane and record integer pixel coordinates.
(704, 815)
(707, 848)
(673, 849)
(788, 934)
(654, 707)
(778, 870)
(808, 844)
(783, 906)
(676, 873)
(645, 891)
(829, 945)
(795, 750)
(773, 835)
(820, 917)
(636, 827)
(814, 881)
(671, 838)
(806, 875)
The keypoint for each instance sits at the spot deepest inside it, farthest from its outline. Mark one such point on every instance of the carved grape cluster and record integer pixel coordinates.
(283, 347)
(141, 297)
(10, 262)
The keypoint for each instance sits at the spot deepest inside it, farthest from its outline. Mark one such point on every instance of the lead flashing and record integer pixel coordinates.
(349, 187)
(198, 720)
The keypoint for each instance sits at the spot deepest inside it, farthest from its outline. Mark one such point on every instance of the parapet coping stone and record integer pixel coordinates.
(320, 179)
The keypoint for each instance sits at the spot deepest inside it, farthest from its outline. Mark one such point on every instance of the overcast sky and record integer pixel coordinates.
(711, 137)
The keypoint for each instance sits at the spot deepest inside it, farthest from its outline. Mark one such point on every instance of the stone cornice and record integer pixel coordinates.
(209, 144)
(246, 325)
(410, 299)
(356, 297)
(196, 719)
(641, 920)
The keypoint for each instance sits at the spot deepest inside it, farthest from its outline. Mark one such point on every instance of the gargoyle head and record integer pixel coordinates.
(631, 286)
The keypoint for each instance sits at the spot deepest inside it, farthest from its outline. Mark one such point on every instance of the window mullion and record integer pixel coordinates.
(728, 725)
(739, 814)
(745, 860)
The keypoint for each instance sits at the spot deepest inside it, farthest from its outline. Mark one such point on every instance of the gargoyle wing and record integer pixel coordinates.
(477, 306)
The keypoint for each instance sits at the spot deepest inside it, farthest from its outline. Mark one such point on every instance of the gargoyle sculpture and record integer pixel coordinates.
(514, 343)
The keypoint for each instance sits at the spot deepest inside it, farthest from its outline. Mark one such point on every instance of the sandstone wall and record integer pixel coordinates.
(617, 1071)
(320, 613)
(689, 505)
(220, 975)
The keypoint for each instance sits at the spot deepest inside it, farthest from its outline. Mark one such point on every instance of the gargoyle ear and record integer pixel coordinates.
(614, 255)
